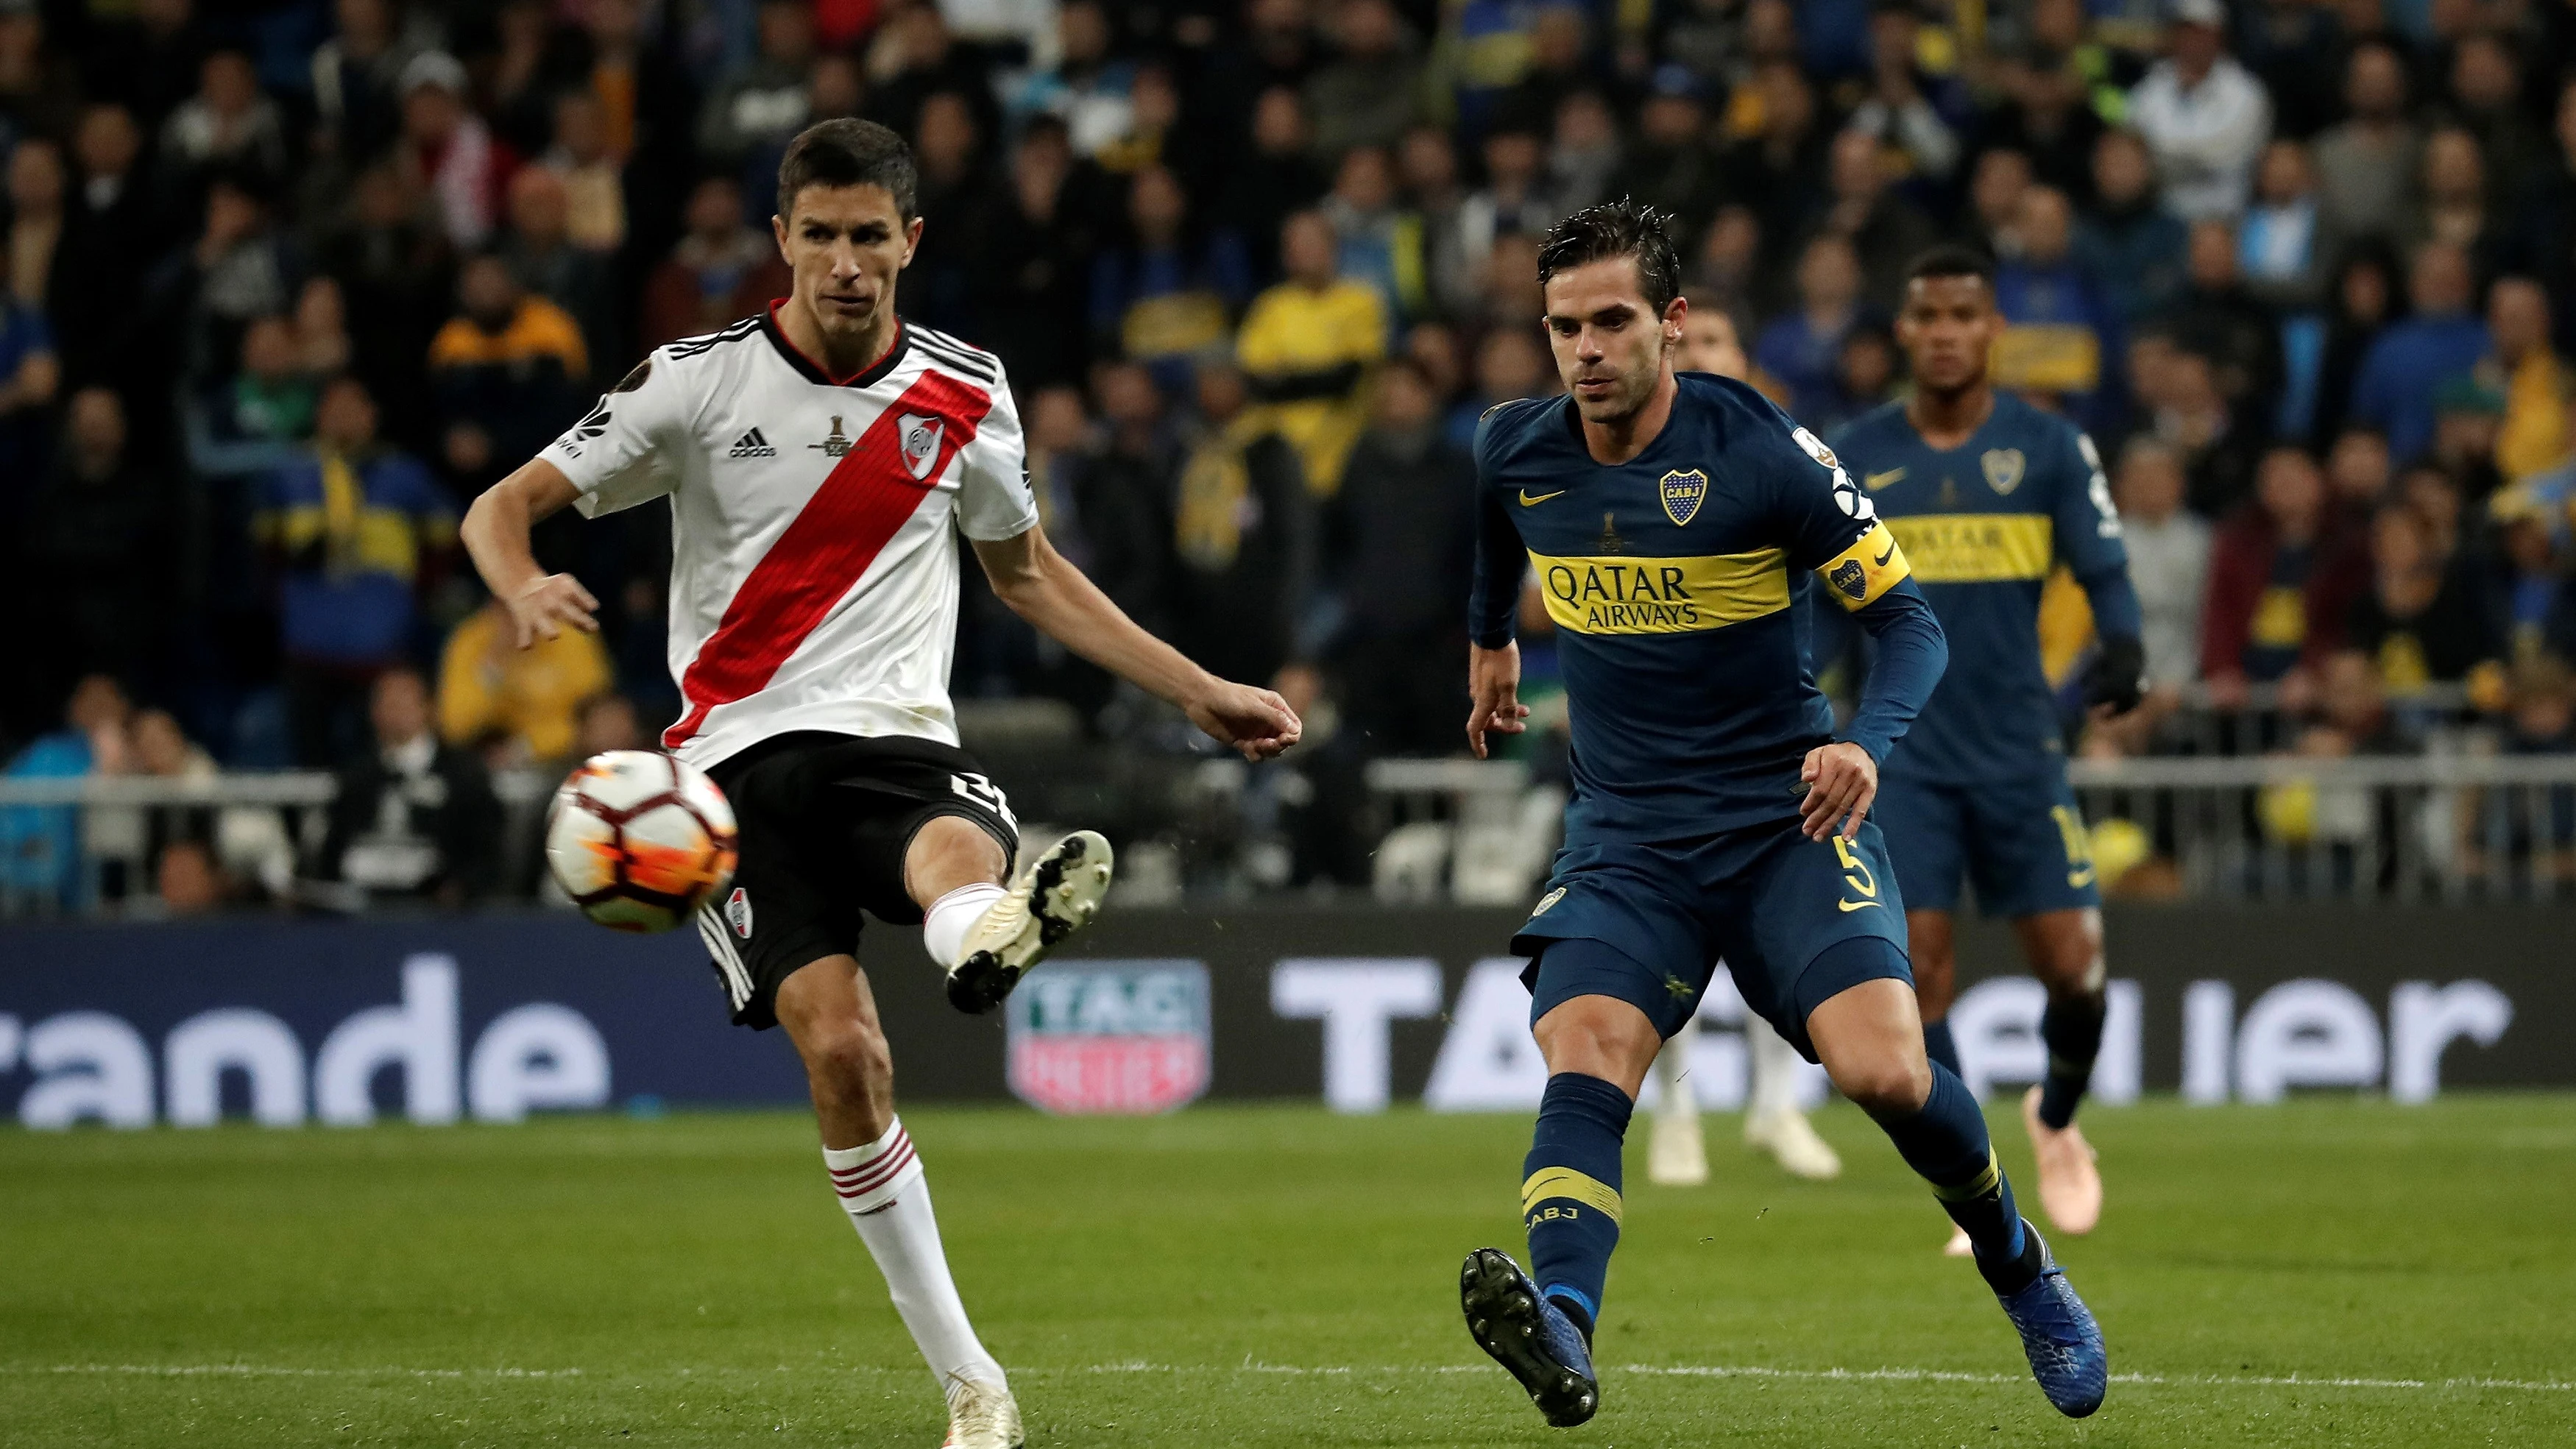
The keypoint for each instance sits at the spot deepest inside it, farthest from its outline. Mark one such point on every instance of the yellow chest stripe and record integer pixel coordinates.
(1976, 548)
(1624, 594)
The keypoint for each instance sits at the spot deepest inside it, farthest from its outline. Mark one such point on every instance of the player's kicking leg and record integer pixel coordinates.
(1870, 1039)
(2064, 949)
(986, 935)
(832, 1017)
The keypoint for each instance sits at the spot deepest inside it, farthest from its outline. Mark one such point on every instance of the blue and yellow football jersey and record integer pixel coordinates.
(1676, 582)
(1984, 524)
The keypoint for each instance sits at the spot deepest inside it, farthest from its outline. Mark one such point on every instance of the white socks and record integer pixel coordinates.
(945, 924)
(1681, 1101)
(882, 1189)
(1774, 1065)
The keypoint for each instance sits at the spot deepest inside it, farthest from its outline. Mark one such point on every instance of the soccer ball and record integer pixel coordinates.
(639, 840)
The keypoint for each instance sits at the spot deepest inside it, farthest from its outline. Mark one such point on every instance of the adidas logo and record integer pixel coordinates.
(752, 445)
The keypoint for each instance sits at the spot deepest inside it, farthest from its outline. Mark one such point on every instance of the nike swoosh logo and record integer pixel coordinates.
(1875, 481)
(1528, 501)
(1856, 905)
(1882, 559)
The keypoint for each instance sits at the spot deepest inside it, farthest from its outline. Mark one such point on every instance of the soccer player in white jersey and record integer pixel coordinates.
(1676, 1155)
(817, 460)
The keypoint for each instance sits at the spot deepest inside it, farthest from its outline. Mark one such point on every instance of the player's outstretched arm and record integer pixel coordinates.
(1044, 587)
(496, 535)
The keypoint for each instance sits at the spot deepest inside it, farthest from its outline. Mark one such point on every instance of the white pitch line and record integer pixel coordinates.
(272, 1371)
(1710, 1371)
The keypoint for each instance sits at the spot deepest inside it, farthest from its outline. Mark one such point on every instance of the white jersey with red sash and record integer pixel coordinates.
(813, 576)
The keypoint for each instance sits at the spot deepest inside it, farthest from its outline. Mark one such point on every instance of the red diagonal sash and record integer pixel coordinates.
(841, 530)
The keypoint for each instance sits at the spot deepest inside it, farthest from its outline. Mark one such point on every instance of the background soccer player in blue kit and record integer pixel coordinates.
(1673, 524)
(1987, 494)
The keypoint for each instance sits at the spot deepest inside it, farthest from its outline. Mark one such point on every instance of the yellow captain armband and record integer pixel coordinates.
(1867, 569)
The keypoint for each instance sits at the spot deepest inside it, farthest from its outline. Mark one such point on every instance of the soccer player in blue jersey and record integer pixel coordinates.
(1674, 524)
(1676, 1155)
(1987, 494)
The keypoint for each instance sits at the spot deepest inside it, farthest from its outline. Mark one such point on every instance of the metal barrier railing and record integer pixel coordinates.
(83, 845)
(2449, 826)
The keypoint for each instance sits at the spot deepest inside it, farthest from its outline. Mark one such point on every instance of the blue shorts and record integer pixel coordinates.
(2021, 842)
(1764, 899)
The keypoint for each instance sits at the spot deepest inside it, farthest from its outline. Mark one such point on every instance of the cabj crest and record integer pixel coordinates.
(1682, 494)
(1849, 577)
(2003, 468)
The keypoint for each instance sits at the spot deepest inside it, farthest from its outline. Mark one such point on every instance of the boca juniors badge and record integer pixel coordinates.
(1851, 578)
(2003, 468)
(1682, 494)
(1096, 1038)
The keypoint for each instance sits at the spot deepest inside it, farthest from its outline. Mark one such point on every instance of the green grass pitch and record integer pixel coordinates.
(2329, 1272)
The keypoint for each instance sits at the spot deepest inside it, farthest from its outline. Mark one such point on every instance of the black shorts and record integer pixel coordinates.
(825, 821)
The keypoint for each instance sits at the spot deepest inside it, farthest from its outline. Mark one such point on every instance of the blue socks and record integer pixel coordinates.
(1942, 1047)
(1945, 1141)
(2073, 1030)
(1570, 1191)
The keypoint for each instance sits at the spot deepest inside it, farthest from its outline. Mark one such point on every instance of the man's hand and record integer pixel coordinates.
(546, 605)
(1494, 686)
(2117, 680)
(1256, 722)
(1842, 783)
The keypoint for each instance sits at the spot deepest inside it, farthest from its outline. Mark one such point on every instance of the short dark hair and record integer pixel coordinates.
(1952, 261)
(1623, 228)
(847, 152)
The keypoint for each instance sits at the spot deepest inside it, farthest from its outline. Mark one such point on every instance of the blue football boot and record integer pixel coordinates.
(1529, 1336)
(2059, 1336)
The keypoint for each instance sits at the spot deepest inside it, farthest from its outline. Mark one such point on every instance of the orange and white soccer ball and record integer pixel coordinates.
(640, 841)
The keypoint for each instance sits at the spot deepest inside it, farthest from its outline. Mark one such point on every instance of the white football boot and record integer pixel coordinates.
(983, 1416)
(1792, 1141)
(1676, 1156)
(1057, 893)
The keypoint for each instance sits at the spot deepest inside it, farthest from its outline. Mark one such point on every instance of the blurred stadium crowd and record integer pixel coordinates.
(288, 283)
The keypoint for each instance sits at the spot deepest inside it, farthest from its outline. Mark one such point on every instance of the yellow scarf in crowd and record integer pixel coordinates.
(1214, 487)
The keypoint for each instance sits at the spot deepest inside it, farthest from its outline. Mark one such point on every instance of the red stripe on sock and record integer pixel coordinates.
(901, 1141)
(893, 1165)
(843, 527)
